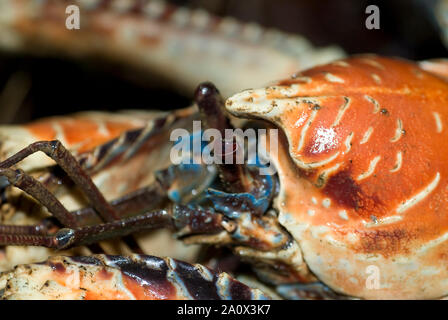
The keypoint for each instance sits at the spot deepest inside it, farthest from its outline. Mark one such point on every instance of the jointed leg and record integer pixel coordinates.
(46, 226)
(180, 218)
(138, 201)
(56, 151)
(144, 199)
(34, 188)
(85, 226)
(141, 200)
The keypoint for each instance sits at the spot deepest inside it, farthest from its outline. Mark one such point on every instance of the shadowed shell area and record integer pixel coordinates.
(363, 172)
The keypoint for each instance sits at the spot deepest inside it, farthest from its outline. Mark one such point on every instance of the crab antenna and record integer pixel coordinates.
(211, 107)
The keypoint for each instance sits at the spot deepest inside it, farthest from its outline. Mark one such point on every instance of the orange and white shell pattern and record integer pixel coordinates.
(363, 173)
(137, 277)
(80, 133)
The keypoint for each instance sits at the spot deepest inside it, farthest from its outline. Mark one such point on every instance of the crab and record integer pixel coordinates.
(360, 185)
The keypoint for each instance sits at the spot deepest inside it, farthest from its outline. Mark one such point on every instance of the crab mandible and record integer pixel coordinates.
(365, 184)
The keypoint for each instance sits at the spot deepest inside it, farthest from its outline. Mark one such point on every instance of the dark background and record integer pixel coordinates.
(56, 86)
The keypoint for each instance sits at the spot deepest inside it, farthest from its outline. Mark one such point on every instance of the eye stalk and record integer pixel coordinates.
(211, 106)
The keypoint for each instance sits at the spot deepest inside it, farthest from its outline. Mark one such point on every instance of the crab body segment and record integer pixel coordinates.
(140, 277)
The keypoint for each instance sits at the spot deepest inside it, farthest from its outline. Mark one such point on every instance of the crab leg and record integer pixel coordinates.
(87, 235)
(181, 218)
(34, 188)
(143, 199)
(34, 235)
(56, 151)
(193, 223)
(119, 149)
(41, 228)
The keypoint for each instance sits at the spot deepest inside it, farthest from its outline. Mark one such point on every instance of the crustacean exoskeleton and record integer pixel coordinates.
(360, 184)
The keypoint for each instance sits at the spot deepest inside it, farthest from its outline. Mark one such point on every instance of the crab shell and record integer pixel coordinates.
(105, 277)
(363, 169)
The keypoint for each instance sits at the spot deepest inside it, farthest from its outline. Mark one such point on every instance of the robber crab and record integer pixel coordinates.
(359, 183)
